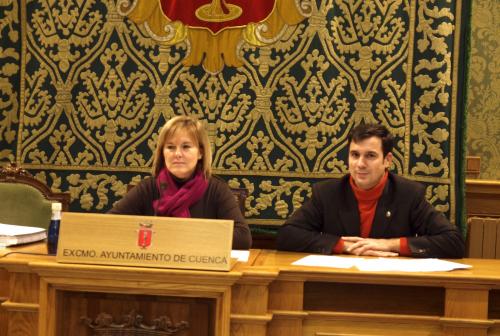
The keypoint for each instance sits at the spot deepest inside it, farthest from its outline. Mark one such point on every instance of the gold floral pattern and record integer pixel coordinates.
(483, 129)
(96, 88)
(9, 71)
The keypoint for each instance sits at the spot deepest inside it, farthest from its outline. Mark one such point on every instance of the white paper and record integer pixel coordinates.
(18, 234)
(326, 261)
(241, 255)
(17, 230)
(381, 264)
(409, 265)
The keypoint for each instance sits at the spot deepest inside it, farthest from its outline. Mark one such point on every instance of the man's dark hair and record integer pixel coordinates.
(365, 131)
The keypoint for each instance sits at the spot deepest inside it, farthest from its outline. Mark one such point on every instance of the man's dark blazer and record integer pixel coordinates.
(402, 211)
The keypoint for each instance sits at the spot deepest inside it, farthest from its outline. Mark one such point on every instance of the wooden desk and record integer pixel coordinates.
(49, 298)
(483, 212)
(266, 296)
(337, 302)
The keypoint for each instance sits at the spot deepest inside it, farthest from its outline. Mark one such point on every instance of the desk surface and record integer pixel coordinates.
(33, 258)
(268, 296)
(482, 271)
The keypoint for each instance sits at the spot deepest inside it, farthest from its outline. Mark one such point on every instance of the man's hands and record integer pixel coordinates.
(371, 246)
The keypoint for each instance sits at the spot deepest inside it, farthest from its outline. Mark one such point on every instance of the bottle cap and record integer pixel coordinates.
(56, 206)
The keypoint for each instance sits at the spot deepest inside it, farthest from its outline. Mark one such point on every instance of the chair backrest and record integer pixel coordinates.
(24, 200)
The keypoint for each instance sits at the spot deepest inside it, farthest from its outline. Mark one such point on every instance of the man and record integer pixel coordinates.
(370, 211)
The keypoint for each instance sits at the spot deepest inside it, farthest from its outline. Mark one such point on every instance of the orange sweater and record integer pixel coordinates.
(367, 205)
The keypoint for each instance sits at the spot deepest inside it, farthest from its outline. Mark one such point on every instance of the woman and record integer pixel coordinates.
(182, 185)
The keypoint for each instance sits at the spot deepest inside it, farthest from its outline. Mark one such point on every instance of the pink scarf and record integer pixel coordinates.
(174, 201)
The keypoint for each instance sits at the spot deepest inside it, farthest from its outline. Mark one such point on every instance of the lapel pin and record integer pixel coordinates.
(388, 214)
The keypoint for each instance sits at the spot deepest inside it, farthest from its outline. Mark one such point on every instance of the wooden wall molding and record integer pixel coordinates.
(482, 198)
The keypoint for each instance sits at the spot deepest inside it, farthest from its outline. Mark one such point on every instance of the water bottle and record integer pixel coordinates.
(53, 234)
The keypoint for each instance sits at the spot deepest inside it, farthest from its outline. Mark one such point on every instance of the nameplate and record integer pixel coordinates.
(145, 241)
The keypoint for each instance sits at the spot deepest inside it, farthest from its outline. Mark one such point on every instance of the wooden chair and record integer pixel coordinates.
(483, 239)
(24, 200)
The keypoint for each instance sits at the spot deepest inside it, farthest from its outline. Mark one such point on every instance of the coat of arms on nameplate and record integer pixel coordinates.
(145, 235)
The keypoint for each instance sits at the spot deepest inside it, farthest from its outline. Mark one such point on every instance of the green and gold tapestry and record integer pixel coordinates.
(86, 85)
(483, 91)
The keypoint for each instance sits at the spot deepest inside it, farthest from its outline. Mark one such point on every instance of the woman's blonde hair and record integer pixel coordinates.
(196, 130)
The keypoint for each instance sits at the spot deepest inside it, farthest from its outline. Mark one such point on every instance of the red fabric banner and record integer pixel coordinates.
(216, 15)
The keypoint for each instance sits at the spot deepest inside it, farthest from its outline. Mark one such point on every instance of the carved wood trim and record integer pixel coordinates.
(14, 174)
(20, 306)
(133, 325)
